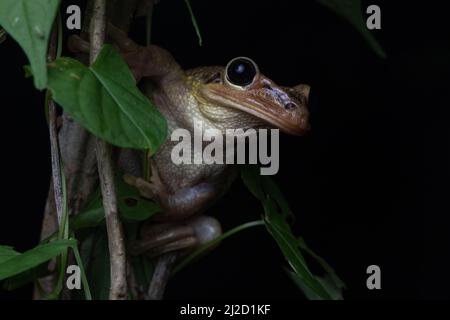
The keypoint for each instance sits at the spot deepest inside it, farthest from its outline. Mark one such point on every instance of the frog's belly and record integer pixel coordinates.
(178, 176)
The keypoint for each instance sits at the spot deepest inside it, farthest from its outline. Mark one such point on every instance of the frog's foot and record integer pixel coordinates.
(160, 238)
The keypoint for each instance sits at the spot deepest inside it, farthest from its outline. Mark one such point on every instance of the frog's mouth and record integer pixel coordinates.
(293, 120)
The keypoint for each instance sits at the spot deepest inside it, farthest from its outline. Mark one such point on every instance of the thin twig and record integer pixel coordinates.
(118, 289)
(55, 194)
(53, 131)
(55, 159)
(161, 275)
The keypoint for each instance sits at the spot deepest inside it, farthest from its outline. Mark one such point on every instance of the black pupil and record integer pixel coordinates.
(241, 72)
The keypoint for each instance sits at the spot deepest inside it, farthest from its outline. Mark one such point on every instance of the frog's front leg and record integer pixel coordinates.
(180, 204)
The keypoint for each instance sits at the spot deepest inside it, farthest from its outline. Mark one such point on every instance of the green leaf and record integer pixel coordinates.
(131, 206)
(6, 253)
(33, 257)
(88, 218)
(26, 277)
(287, 242)
(327, 282)
(351, 10)
(252, 180)
(260, 186)
(271, 188)
(333, 286)
(105, 100)
(277, 211)
(194, 22)
(309, 293)
(331, 280)
(30, 23)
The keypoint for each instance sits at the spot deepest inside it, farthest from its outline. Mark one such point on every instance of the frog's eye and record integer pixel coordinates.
(241, 71)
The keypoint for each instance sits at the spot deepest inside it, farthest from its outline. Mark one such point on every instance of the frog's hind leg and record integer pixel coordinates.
(160, 238)
(168, 242)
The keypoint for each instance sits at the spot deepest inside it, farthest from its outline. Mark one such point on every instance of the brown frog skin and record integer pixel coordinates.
(204, 95)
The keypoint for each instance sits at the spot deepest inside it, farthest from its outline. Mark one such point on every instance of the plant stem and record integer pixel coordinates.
(87, 291)
(54, 147)
(194, 22)
(118, 289)
(161, 275)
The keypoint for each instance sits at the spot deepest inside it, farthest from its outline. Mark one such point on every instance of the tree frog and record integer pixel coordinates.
(231, 97)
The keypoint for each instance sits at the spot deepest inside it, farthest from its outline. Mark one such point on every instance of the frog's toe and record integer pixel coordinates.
(146, 189)
(206, 229)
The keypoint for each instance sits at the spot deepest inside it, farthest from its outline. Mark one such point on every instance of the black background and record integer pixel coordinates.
(369, 184)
